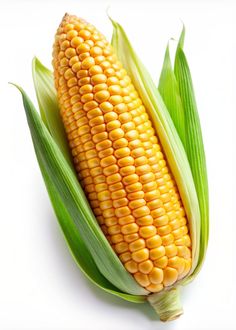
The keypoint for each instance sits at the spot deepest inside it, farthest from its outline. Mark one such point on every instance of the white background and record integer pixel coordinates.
(40, 285)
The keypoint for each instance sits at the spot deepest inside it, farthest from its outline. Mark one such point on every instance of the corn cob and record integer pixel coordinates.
(118, 158)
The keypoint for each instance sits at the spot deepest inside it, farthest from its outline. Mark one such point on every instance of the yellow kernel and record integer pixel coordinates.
(171, 250)
(144, 221)
(158, 212)
(183, 251)
(98, 129)
(145, 267)
(177, 263)
(157, 253)
(125, 161)
(94, 70)
(87, 63)
(105, 65)
(186, 268)
(130, 228)
(167, 239)
(121, 212)
(99, 179)
(161, 220)
(102, 96)
(76, 41)
(117, 238)
(85, 34)
(82, 48)
(137, 203)
(103, 195)
(187, 240)
(108, 107)
(95, 122)
(98, 79)
(126, 170)
(118, 194)
(133, 187)
(141, 211)
(104, 144)
(65, 44)
(109, 213)
(68, 74)
(131, 266)
(140, 255)
(161, 262)
(100, 137)
(87, 97)
(121, 247)
(154, 242)
(137, 245)
(73, 60)
(113, 230)
(142, 279)
(116, 134)
(99, 87)
(154, 287)
(170, 276)
(99, 59)
(95, 51)
(84, 81)
(164, 230)
(147, 231)
(113, 125)
(120, 202)
(126, 220)
(135, 195)
(68, 27)
(156, 275)
(115, 99)
(115, 186)
(112, 169)
(115, 90)
(86, 89)
(113, 178)
(121, 108)
(147, 178)
(130, 238)
(129, 179)
(125, 257)
(107, 161)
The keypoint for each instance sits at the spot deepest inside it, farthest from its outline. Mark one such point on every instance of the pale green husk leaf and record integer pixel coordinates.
(48, 105)
(169, 90)
(194, 144)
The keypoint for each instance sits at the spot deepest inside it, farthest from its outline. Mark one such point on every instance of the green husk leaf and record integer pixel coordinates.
(194, 144)
(166, 132)
(48, 106)
(72, 197)
(169, 90)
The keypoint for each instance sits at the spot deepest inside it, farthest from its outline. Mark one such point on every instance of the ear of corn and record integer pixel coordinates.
(87, 243)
